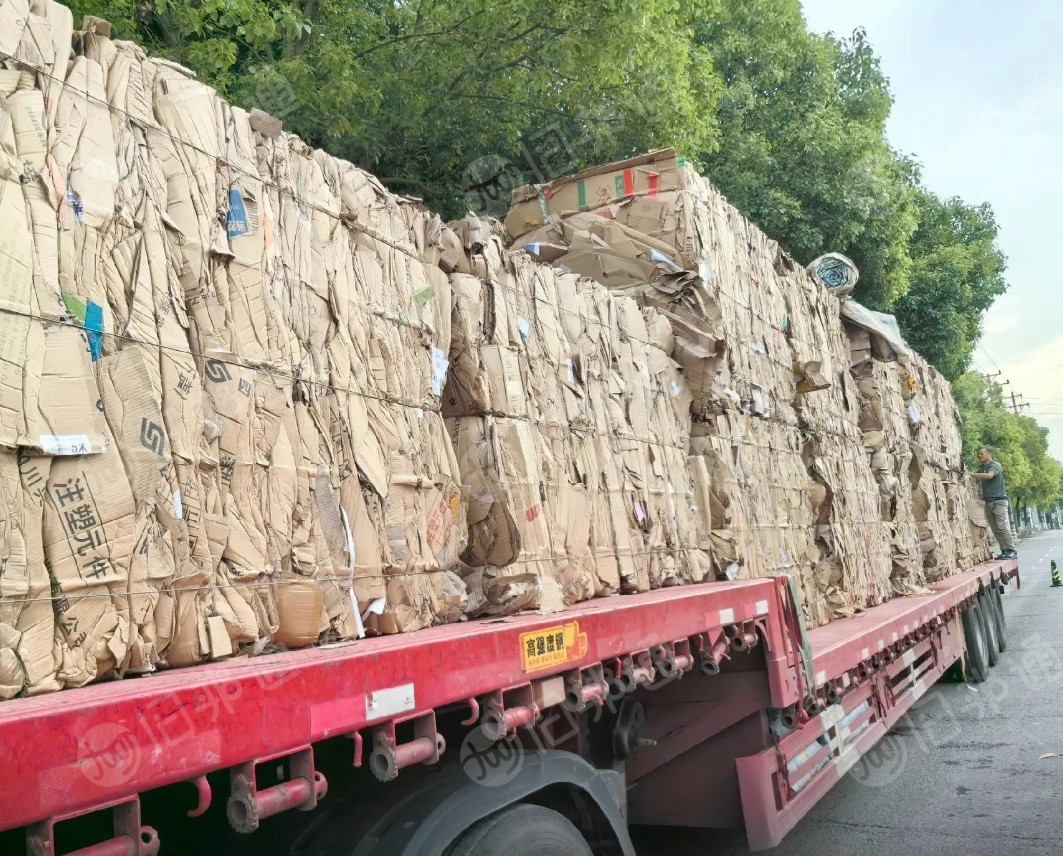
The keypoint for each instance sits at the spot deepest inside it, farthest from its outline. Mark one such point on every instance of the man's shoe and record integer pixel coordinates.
(1009, 554)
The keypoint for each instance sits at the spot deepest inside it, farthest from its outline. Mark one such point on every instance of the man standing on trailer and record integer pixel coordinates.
(995, 497)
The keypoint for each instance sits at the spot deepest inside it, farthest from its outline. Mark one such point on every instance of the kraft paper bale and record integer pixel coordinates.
(912, 433)
(887, 438)
(772, 340)
(571, 425)
(236, 345)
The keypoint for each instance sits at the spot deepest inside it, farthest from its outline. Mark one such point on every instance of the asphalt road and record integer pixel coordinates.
(963, 774)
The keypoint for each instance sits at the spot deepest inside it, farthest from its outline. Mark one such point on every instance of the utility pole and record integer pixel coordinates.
(1016, 405)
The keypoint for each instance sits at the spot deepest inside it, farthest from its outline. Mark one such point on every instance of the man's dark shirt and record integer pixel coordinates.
(993, 489)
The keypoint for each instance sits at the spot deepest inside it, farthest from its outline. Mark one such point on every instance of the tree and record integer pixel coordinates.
(438, 97)
(1018, 442)
(985, 421)
(803, 152)
(802, 147)
(1042, 487)
(957, 272)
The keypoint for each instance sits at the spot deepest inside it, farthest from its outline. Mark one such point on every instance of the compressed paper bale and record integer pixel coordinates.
(89, 533)
(606, 408)
(757, 334)
(261, 340)
(501, 467)
(918, 464)
(764, 506)
(134, 415)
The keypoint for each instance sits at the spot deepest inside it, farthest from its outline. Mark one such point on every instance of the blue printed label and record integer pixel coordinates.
(94, 329)
(238, 224)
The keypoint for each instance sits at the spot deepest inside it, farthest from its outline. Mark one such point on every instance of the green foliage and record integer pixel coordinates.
(426, 94)
(957, 272)
(1018, 442)
(802, 142)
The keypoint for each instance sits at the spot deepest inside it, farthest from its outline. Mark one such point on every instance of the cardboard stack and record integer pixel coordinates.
(252, 400)
(912, 430)
(780, 422)
(571, 424)
(223, 356)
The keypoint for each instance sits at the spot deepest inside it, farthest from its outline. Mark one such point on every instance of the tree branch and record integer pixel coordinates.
(415, 35)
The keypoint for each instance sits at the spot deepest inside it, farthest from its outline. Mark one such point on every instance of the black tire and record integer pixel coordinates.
(977, 662)
(1002, 624)
(523, 830)
(989, 627)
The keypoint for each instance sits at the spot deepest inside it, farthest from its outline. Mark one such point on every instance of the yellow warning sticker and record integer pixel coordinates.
(552, 646)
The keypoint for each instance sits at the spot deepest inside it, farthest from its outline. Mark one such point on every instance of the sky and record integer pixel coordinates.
(978, 90)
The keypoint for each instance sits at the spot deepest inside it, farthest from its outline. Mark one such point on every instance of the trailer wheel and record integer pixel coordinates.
(977, 662)
(989, 626)
(523, 830)
(1002, 624)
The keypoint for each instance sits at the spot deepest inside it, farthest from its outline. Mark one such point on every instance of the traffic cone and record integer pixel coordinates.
(1056, 581)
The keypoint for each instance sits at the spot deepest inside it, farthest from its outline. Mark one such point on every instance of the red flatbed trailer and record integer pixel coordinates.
(705, 706)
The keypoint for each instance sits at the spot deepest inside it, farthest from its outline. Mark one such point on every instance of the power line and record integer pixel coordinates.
(990, 358)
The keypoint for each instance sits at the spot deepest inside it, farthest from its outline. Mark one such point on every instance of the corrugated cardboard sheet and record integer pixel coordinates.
(796, 477)
(223, 360)
(251, 400)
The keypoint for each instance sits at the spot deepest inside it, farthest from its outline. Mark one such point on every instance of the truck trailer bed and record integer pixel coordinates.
(96, 748)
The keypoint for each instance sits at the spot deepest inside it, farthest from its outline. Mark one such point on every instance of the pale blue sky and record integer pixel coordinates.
(978, 88)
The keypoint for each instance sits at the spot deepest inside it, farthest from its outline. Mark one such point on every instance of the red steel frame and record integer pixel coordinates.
(877, 666)
(81, 749)
(97, 747)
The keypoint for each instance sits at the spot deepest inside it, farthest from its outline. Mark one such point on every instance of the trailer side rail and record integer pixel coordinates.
(870, 670)
(88, 749)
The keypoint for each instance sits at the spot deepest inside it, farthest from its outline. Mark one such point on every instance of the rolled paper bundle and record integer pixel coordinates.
(836, 272)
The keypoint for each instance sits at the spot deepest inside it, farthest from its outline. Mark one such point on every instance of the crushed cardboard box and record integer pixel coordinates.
(252, 400)
(795, 476)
